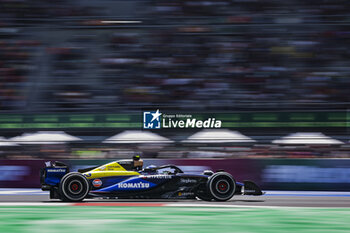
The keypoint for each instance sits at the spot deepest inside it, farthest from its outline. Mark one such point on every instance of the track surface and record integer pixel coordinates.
(272, 198)
(31, 211)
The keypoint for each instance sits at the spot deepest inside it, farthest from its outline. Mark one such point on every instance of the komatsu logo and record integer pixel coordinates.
(138, 185)
(56, 170)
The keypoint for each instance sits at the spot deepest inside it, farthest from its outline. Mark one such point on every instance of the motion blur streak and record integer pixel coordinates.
(276, 73)
(173, 219)
(189, 54)
(121, 21)
(266, 68)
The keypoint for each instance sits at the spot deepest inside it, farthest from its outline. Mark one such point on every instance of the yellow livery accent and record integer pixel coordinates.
(113, 166)
(99, 174)
(109, 169)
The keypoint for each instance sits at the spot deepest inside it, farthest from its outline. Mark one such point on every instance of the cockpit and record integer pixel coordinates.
(136, 164)
(165, 170)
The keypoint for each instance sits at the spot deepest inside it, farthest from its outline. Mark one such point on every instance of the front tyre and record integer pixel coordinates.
(203, 194)
(221, 186)
(74, 187)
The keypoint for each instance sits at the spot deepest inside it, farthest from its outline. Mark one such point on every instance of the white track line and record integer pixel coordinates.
(57, 204)
(34, 204)
(33, 191)
(23, 192)
(245, 206)
(332, 193)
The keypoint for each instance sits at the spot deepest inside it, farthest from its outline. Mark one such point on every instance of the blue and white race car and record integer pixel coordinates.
(126, 179)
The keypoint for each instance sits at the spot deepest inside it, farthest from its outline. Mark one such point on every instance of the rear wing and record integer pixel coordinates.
(52, 174)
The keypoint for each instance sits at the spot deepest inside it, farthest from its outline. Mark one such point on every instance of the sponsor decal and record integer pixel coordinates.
(138, 185)
(249, 191)
(188, 181)
(97, 183)
(156, 177)
(183, 194)
(56, 170)
(87, 174)
(158, 120)
(111, 168)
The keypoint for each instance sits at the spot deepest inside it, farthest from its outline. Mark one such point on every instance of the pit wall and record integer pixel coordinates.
(270, 174)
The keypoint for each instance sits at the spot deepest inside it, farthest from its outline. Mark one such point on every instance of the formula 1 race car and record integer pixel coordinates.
(127, 179)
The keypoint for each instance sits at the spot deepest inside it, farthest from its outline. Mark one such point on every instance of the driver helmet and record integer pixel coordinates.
(138, 162)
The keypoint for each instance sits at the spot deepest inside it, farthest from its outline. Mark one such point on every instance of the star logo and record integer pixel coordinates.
(156, 115)
(151, 120)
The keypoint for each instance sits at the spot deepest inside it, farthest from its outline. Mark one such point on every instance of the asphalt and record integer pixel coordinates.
(289, 199)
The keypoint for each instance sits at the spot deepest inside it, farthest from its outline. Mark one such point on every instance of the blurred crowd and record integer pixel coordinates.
(98, 150)
(187, 54)
(201, 144)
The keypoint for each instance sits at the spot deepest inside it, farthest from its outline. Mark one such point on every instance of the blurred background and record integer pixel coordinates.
(75, 77)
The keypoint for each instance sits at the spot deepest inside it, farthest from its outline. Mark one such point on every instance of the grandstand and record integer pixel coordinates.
(271, 68)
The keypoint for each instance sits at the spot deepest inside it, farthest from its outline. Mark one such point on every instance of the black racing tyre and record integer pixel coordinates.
(54, 194)
(74, 187)
(221, 186)
(203, 194)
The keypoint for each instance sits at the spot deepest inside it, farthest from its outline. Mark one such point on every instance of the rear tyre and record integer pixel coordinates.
(221, 186)
(54, 194)
(74, 187)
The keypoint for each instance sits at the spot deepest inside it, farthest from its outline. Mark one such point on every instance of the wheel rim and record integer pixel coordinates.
(75, 187)
(222, 186)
